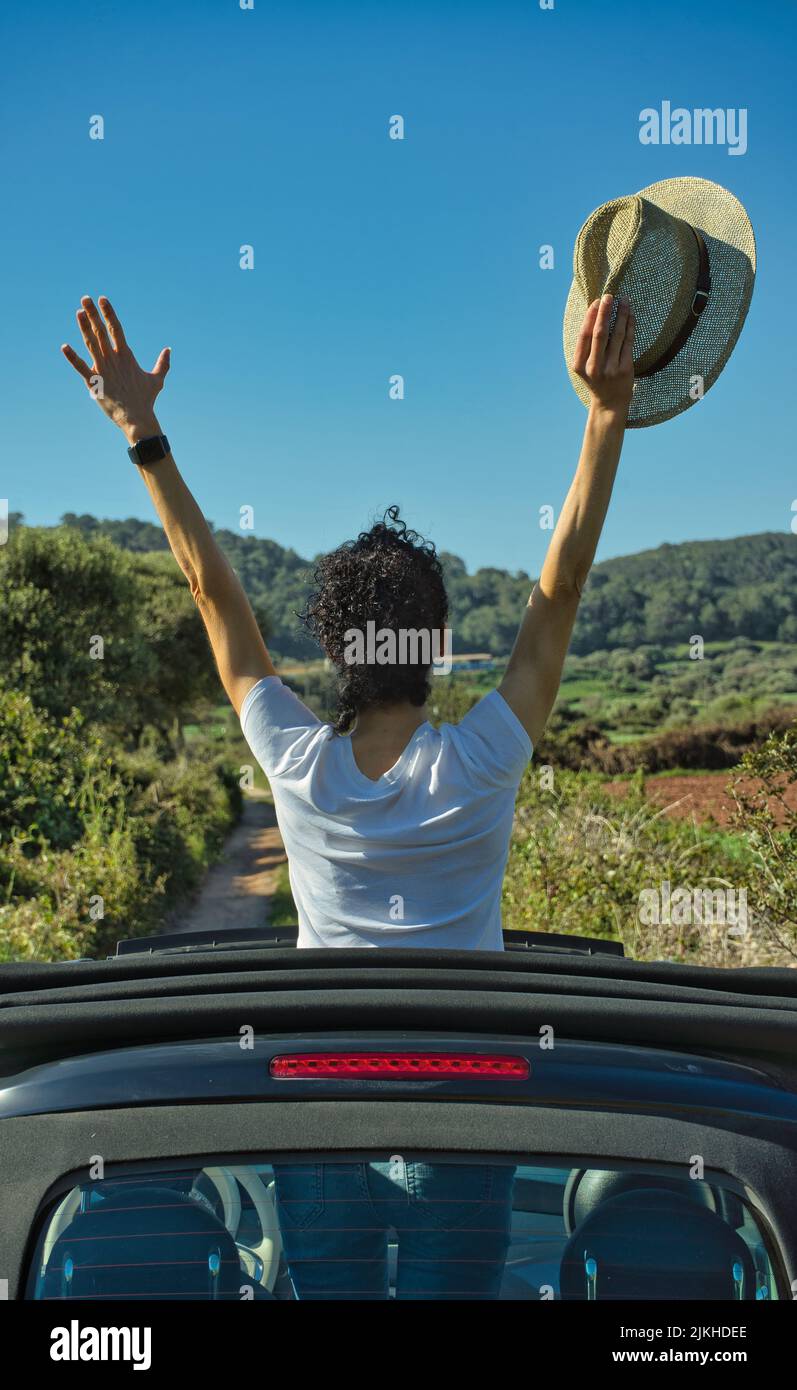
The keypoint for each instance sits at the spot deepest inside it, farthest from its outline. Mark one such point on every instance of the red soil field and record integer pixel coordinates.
(699, 794)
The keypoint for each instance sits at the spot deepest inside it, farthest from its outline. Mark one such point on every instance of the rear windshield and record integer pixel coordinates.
(401, 1227)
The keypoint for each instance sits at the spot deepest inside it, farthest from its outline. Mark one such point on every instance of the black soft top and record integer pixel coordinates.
(59, 1008)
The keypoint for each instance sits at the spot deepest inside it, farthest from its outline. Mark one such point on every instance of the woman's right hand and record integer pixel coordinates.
(120, 386)
(606, 361)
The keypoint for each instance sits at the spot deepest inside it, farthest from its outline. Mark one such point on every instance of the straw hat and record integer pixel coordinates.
(683, 250)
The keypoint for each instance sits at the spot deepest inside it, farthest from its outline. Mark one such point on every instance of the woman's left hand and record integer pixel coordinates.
(119, 385)
(604, 360)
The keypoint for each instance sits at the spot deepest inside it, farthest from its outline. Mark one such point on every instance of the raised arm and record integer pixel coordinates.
(606, 364)
(128, 396)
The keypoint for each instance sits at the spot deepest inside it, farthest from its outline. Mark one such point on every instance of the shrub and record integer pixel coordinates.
(43, 763)
(134, 841)
(578, 864)
(60, 593)
(769, 821)
(584, 746)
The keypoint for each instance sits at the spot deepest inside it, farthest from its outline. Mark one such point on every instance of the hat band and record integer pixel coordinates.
(699, 302)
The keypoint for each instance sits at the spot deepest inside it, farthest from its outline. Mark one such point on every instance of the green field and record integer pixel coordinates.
(626, 694)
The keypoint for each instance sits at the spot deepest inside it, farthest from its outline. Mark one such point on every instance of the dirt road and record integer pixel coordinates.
(238, 890)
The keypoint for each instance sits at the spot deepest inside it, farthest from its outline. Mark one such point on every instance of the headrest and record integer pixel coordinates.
(144, 1242)
(588, 1188)
(654, 1244)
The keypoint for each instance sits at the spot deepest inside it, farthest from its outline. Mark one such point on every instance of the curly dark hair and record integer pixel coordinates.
(389, 576)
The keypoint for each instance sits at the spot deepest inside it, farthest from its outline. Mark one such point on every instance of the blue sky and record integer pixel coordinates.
(375, 256)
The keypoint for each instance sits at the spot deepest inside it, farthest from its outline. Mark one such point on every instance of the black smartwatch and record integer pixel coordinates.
(149, 450)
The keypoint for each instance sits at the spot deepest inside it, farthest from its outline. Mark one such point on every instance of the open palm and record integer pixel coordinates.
(120, 386)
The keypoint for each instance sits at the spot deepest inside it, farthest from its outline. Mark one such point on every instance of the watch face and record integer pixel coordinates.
(150, 450)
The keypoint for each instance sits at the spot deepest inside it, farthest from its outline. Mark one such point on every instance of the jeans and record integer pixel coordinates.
(452, 1220)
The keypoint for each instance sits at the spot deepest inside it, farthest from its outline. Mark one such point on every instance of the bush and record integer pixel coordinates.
(769, 821)
(103, 830)
(60, 594)
(451, 698)
(43, 764)
(584, 746)
(578, 863)
(109, 844)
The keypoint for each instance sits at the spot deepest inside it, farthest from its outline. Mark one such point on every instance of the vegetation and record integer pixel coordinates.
(108, 818)
(769, 822)
(119, 766)
(669, 686)
(282, 911)
(583, 863)
(717, 589)
(579, 863)
(87, 626)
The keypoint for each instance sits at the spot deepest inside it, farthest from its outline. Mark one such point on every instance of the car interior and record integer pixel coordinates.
(577, 1233)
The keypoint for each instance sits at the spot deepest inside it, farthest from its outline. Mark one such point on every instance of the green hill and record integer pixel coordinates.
(723, 589)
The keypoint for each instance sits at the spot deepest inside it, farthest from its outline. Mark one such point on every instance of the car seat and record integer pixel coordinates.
(145, 1242)
(651, 1243)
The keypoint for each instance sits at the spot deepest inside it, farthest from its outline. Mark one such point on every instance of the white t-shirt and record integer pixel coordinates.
(416, 858)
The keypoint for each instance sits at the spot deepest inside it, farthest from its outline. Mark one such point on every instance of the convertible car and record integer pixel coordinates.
(641, 1117)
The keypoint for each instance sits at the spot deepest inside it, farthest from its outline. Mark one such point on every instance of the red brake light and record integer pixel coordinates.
(383, 1065)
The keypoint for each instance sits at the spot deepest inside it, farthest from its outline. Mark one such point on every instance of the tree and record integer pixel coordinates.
(177, 668)
(114, 635)
(719, 589)
(68, 613)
